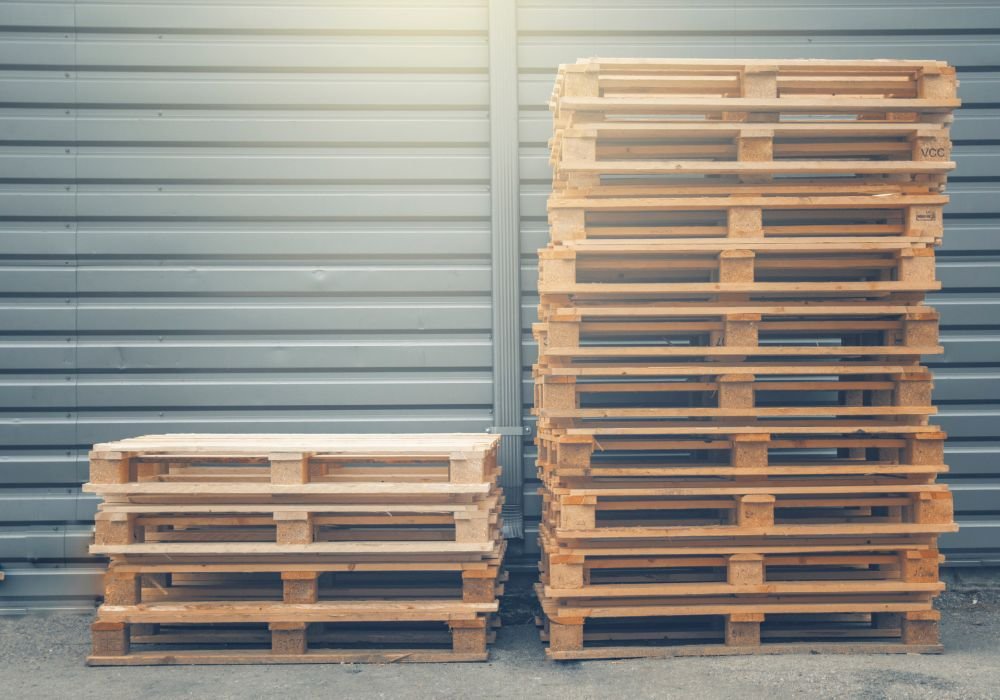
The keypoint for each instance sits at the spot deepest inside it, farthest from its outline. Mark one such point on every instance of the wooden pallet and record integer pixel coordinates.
(586, 574)
(616, 153)
(131, 583)
(751, 450)
(920, 144)
(324, 632)
(731, 385)
(690, 390)
(736, 324)
(755, 215)
(732, 399)
(744, 89)
(756, 270)
(833, 630)
(122, 526)
(295, 459)
(700, 511)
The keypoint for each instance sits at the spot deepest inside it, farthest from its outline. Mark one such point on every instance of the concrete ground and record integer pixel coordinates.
(42, 657)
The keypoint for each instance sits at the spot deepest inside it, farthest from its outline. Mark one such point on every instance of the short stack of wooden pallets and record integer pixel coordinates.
(297, 548)
(733, 418)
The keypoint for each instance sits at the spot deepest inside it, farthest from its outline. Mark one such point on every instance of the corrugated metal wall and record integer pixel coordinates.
(227, 215)
(965, 33)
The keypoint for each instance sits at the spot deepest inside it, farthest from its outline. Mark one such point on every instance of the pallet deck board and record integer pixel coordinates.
(314, 656)
(784, 105)
(776, 167)
(249, 611)
(654, 652)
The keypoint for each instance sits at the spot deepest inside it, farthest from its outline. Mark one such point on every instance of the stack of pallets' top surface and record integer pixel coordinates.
(733, 417)
(297, 548)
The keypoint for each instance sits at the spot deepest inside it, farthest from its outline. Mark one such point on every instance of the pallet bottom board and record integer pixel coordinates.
(208, 658)
(628, 652)
(123, 644)
(226, 638)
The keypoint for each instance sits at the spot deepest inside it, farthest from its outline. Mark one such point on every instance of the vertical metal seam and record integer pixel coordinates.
(75, 369)
(505, 252)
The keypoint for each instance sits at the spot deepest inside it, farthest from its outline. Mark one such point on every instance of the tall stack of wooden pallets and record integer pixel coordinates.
(733, 418)
(297, 548)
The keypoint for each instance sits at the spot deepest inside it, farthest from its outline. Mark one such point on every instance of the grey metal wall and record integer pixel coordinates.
(232, 215)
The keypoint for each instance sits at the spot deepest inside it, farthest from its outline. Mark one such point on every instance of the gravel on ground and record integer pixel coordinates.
(42, 656)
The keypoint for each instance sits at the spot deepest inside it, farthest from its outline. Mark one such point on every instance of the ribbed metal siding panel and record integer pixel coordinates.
(964, 33)
(230, 216)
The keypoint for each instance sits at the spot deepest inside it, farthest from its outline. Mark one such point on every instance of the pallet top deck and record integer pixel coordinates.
(820, 65)
(660, 104)
(706, 369)
(740, 351)
(658, 590)
(873, 201)
(809, 428)
(771, 167)
(775, 532)
(263, 444)
(705, 246)
(723, 309)
(219, 550)
(702, 129)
